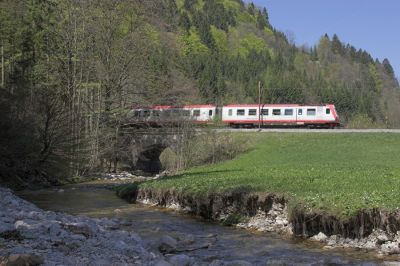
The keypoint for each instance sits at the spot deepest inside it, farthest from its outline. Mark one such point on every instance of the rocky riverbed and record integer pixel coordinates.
(268, 213)
(31, 236)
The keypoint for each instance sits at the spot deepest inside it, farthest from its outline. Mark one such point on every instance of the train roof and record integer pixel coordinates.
(200, 106)
(265, 105)
(273, 105)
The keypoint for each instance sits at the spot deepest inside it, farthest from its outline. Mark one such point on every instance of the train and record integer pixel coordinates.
(240, 115)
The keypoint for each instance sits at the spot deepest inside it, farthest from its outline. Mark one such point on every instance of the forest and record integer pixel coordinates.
(72, 69)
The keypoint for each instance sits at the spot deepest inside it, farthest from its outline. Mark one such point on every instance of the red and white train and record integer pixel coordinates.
(242, 115)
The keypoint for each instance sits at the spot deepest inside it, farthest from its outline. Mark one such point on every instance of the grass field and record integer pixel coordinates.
(335, 173)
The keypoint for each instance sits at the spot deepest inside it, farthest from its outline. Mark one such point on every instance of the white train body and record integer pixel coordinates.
(201, 113)
(156, 115)
(238, 115)
(242, 115)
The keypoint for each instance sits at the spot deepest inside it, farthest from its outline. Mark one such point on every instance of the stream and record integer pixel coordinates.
(224, 243)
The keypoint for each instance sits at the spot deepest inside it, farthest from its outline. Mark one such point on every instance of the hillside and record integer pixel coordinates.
(72, 69)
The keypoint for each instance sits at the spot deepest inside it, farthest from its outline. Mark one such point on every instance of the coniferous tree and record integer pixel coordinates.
(261, 22)
(388, 67)
(266, 17)
(184, 21)
(189, 4)
(251, 9)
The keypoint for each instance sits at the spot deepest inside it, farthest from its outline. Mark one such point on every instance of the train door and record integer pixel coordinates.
(320, 113)
(299, 116)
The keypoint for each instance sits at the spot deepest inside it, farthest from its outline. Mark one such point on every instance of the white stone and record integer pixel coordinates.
(321, 237)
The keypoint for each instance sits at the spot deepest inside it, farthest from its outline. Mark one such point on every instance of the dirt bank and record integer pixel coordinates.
(369, 229)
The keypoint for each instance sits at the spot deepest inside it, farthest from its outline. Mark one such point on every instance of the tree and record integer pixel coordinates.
(251, 9)
(337, 46)
(266, 17)
(261, 21)
(388, 67)
(184, 21)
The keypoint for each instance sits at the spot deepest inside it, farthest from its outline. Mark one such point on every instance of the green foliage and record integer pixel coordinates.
(251, 42)
(192, 45)
(307, 168)
(221, 40)
(184, 21)
(204, 149)
(363, 121)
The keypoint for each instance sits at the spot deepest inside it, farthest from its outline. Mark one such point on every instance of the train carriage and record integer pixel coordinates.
(202, 114)
(169, 115)
(250, 115)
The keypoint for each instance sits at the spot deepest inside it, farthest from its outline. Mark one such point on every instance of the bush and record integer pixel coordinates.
(363, 121)
(209, 148)
(232, 219)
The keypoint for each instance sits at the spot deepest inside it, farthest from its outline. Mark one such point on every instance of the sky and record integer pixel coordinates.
(372, 25)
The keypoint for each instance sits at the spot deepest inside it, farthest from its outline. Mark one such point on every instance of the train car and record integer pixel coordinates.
(201, 114)
(155, 116)
(251, 115)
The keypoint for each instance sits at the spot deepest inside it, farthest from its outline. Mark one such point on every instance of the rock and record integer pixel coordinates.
(391, 247)
(391, 263)
(23, 260)
(121, 246)
(21, 225)
(217, 263)
(321, 237)
(332, 240)
(180, 260)
(162, 263)
(167, 244)
(61, 191)
(238, 263)
(4, 227)
(81, 228)
(382, 237)
(186, 239)
(56, 231)
(78, 237)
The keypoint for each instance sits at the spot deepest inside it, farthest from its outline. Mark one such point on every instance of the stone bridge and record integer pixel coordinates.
(142, 147)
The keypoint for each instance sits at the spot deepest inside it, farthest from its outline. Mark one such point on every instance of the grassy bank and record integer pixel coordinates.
(336, 173)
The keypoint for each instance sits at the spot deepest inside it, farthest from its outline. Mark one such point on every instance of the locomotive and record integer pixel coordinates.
(240, 115)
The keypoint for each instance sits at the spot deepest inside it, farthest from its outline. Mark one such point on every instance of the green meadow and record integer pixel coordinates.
(323, 172)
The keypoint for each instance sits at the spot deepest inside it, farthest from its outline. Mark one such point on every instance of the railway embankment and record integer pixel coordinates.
(339, 189)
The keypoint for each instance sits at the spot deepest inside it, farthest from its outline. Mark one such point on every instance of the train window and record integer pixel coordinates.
(311, 112)
(252, 111)
(288, 111)
(300, 112)
(196, 112)
(240, 112)
(146, 113)
(156, 113)
(186, 112)
(276, 111)
(328, 111)
(210, 112)
(230, 112)
(264, 111)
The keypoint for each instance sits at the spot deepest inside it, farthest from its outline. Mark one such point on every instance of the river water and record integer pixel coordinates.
(225, 243)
